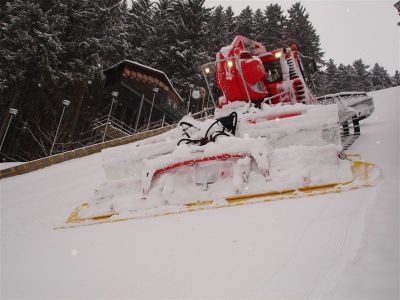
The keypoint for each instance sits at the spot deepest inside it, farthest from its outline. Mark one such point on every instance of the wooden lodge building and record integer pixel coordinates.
(137, 86)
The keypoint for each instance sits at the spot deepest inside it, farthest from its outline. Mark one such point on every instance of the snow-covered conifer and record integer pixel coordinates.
(347, 78)
(188, 50)
(219, 30)
(259, 25)
(30, 60)
(329, 82)
(363, 77)
(140, 27)
(231, 21)
(301, 32)
(396, 78)
(245, 23)
(273, 35)
(380, 77)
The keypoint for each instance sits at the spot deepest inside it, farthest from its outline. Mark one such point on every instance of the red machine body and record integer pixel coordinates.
(246, 71)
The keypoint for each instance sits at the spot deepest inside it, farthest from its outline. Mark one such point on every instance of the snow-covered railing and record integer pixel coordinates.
(88, 150)
(360, 101)
(333, 98)
(100, 122)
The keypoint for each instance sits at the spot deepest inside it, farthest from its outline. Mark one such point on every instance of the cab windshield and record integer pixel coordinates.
(273, 70)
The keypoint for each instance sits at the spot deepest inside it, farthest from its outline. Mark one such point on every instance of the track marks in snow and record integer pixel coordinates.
(331, 241)
(353, 239)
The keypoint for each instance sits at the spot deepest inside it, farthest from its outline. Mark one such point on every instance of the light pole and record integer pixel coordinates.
(139, 113)
(191, 86)
(196, 95)
(163, 120)
(13, 113)
(65, 105)
(114, 95)
(203, 93)
(206, 70)
(211, 85)
(155, 91)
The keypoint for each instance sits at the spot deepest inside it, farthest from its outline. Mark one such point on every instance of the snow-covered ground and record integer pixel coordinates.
(342, 245)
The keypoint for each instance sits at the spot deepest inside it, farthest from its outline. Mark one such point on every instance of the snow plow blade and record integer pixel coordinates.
(365, 174)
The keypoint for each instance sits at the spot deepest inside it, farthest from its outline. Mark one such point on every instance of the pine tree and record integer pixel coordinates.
(273, 35)
(396, 78)
(231, 21)
(363, 80)
(245, 23)
(164, 29)
(140, 27)
(259, 25)
(188, 50)
(301, 32)
(219, 31)
(318, 87)
(380, 77)
(347, 77)
(29, 49)
(111, 31)
(30, 52)
(329, 83)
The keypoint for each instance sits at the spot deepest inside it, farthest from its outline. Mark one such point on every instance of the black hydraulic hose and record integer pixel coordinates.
(211, 127)
(228, 123)
(188, 141)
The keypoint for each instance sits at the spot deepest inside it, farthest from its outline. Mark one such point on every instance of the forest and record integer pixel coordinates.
(53, 50)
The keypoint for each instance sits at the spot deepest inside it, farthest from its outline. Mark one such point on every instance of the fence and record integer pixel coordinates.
(81, 152)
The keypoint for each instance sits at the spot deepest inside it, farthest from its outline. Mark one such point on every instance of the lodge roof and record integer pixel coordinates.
(145, 74)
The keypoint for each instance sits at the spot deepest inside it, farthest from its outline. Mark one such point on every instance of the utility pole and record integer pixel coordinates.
(65, 105)
(155, 91)
(191, 86)
(140, 111)
(13, 113)
(114, 95)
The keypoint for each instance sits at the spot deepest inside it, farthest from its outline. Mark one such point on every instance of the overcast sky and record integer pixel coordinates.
(348, 30)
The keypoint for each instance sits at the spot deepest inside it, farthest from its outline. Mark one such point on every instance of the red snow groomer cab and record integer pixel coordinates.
(246, 71)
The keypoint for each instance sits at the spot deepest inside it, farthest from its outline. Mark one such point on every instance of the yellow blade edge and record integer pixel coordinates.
(360, 170)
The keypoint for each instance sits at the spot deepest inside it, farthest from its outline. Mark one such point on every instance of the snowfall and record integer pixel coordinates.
(342, 245)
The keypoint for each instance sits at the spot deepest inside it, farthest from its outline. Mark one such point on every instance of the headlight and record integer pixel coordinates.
(278, 54)
(230, 64)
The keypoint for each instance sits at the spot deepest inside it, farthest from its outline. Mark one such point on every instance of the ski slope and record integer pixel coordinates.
(342, 245)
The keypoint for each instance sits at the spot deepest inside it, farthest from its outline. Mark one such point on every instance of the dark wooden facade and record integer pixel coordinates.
(135, 85)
